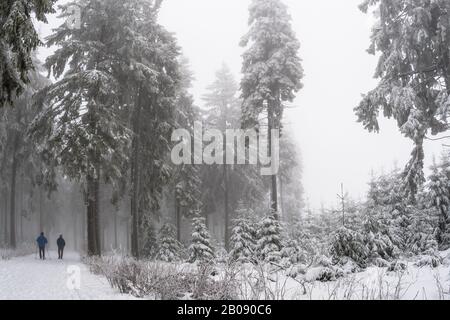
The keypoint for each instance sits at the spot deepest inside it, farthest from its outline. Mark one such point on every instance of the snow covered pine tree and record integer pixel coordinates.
(18, 40)
(243, 237)
(201, 250)
(272, 69)
(413, 41)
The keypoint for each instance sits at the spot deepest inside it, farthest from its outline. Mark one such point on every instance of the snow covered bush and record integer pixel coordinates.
(432, 261)
(168, 248)
(291, 253)
(243, 238)
(200, 250)
(397, 266)
(269, 243)
(349, 244)
(323, 271)
(438, 197)
(149, 238)
(162, 281)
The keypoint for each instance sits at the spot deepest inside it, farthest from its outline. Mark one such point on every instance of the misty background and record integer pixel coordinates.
(334, 36)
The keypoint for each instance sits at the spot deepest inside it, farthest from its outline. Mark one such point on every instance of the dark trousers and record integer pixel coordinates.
(60, 253)
(42, 253)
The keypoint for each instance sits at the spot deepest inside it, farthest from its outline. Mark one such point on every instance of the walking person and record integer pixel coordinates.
(42, 243)
(61, 243)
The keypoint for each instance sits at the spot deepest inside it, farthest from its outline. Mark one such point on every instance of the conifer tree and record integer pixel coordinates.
(413, 42)
(200, 250)
(243, 236)
(222, 114)
(80, 128)
(439, 198)
(269, 245)
(18, 40)
(272, 69)
(169, 249)
(186, 179)
(17, 150)
(152, 74)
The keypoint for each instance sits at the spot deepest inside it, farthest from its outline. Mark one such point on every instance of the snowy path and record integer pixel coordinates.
(27, 278)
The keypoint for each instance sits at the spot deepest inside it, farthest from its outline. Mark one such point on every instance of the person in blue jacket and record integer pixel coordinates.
(42, 243)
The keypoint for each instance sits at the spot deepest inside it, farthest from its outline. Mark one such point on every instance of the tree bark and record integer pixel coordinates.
(135, 178)
(178, 218)
(98, 241)
(93, 245)
(282, 204)
(91, 238)
(116, 244)
(41, 212)
(274, 189)
(12, 199)
(226, 207)
(5, 216)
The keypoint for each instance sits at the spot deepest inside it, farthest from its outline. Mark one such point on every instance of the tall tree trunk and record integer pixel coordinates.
(178, 218)
(75, 230)
(5, 216)
(98, 241)
(21, 208)
(282, 204)
(93, 239)
(12, 199)
(135, 178)
(83, 233)
(41, 211)
(116, 242)
(274, 190)
(226, 207)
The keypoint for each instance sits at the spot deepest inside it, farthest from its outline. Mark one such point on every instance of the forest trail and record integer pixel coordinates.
(28, 278)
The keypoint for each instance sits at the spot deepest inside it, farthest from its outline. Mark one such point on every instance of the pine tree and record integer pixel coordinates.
(152, 76)
(200, 250)
(272, 69)
(80, 128)
(222, 114)
(413, 42)
(169, 249)
(18, 40)
(17, 151)
(186, 179)
(439, 198)
(269, 245)
(243, 237)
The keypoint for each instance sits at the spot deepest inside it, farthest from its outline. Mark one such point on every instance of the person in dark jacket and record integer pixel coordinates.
(61, 243)
(42, 243)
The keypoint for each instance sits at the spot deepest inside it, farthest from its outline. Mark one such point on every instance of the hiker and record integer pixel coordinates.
(61, 244)
(42, 242)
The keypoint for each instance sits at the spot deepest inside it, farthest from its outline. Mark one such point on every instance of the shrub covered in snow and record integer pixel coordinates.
(323, 271)
(243, 237)
(350, 244)
(168, 248)
(269, 243)
(292, 253)
(201, 250)
(163, 281)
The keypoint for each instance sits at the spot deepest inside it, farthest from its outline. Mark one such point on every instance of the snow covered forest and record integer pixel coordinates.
(87, 144)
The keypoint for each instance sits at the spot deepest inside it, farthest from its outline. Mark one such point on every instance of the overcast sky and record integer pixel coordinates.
(334, 37)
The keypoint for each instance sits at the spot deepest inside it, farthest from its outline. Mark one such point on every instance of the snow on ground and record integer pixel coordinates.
(28, 278)
(415, 283)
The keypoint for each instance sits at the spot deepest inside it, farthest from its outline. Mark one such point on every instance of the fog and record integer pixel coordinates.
(334, 37)
(338, 70)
